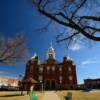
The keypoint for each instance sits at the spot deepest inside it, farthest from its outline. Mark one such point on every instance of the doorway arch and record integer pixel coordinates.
(50, 84)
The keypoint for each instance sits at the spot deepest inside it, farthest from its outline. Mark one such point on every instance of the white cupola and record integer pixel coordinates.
(51, 52)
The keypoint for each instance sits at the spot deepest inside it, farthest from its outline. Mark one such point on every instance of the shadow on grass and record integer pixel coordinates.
(13, 95)
(86, 90)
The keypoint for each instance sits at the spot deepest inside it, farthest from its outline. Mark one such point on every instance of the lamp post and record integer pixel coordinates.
(41, 85)
(20, 84)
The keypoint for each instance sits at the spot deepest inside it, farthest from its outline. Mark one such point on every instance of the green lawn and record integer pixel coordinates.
(81, 95)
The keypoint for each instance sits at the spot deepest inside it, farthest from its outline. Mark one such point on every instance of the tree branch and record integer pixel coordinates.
(74, 34)
(14, 50)
(95, 18)
(78, 8)
(72, 23)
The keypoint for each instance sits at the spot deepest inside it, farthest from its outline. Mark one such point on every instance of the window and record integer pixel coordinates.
(40, 69)
(70, 78)
(40, 78)
(50, 56)
(60, 68)
(60, 79)
(53, 68)
(48, 68)
(98, 82)
(69, 68)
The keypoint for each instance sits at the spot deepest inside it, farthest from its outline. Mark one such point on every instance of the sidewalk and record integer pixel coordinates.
(50, 96)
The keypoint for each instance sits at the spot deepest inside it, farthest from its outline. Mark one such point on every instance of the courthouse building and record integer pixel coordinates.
(50, 74)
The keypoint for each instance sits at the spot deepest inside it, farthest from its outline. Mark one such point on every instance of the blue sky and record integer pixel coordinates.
(19, 16)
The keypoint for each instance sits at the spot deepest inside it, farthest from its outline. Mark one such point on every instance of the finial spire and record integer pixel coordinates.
(51, 44)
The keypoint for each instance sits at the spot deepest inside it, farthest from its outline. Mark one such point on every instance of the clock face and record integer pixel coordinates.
(50, 56)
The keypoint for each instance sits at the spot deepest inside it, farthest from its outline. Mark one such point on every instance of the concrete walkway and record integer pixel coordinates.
(50, 95)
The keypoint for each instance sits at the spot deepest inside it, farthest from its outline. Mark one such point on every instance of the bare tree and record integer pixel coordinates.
(80, 18)
(13, 49)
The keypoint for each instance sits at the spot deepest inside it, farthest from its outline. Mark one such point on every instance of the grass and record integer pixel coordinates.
(12, 96)
(81, 95)
(15, 95)
(76, 95)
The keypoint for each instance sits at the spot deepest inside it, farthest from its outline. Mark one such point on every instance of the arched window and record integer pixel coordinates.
(70, 77)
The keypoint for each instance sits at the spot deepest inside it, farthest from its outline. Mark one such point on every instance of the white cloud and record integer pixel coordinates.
(90, 61)
(75, 47)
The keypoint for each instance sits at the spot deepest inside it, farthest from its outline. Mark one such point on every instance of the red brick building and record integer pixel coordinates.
(92, 83)
(51, 74)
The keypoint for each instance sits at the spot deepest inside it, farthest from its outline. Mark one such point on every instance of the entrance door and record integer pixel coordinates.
(50, 85)
(53, 84)
(47, 85)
